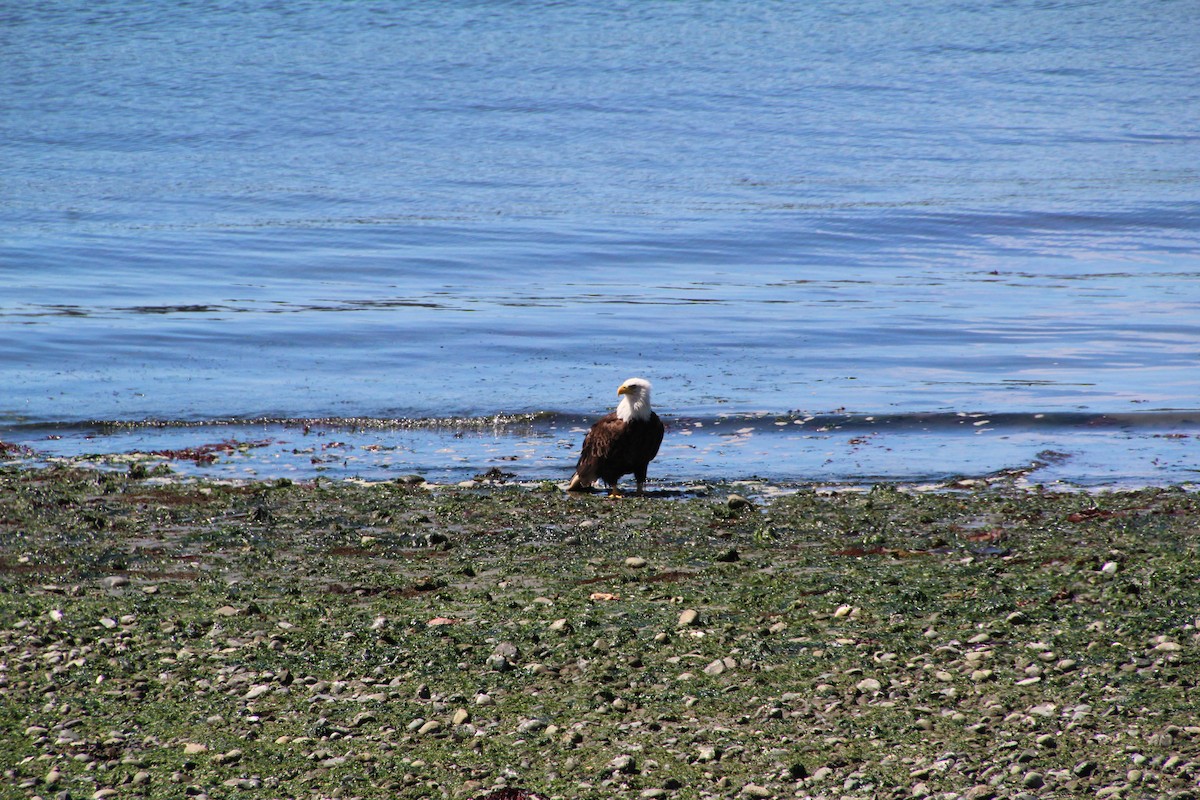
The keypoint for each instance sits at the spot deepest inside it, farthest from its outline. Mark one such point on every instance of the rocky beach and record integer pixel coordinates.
(339, 639)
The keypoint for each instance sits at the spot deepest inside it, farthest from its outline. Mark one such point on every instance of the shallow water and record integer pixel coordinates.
(1067, 451)
(419, 212)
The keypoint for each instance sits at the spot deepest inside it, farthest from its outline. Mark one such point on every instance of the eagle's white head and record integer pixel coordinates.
(635, 400)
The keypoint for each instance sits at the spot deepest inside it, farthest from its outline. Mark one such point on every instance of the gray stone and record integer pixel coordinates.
(624, 764)
(736, 502)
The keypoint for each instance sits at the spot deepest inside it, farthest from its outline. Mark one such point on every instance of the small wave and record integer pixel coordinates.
(759, 423)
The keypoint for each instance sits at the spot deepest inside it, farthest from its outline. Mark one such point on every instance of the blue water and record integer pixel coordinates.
(224, 211)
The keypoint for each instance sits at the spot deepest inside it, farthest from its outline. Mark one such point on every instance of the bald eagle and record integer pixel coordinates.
(625, 441)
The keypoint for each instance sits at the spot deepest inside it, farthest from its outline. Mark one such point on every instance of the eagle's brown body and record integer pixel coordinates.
(615, 447)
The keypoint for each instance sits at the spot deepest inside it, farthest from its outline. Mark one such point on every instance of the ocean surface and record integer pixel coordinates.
(848, 241)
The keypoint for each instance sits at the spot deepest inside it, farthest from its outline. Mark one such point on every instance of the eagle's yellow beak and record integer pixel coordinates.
(623, 390)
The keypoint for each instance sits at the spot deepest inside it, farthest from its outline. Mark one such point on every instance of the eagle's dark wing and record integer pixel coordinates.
(614, 448)
(596, 453)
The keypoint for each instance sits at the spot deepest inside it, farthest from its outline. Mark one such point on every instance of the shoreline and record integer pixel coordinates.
(782, 454)
(335, 639)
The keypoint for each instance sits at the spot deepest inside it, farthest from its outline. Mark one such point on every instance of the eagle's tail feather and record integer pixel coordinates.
(579, 483)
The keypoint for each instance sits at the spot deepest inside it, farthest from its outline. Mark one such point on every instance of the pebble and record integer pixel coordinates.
(624, 764)
(718, 666)
(868, 685)
(432, 726)
(635, 562)
(508, 650)
(194, 748)
(114, 581)
(1033, 780)
(531, 725)
(461, 717)
(754, 790)
(242, 783)
(232, 757)
(141, 778)
(689, 617)
(498, 662)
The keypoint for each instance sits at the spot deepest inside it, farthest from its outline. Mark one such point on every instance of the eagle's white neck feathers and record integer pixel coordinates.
(635, 400)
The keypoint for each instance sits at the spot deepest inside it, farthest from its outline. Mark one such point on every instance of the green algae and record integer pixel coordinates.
(395, 640)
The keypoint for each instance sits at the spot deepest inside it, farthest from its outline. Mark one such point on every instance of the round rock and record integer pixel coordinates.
(867, 685)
